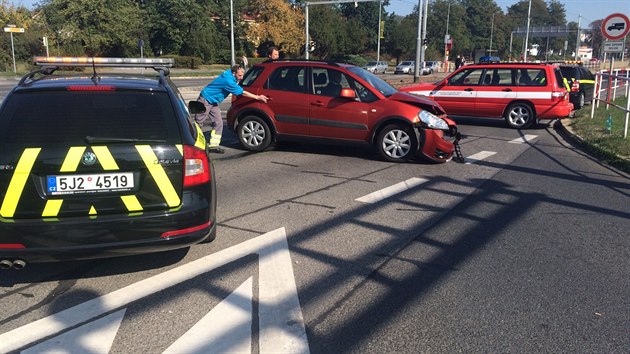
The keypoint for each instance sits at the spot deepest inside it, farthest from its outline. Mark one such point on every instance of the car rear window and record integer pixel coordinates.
(39, 118)
(250, 76)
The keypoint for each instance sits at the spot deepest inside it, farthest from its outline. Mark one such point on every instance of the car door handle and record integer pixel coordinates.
(468, 89)
(507, 90)
(317, 103)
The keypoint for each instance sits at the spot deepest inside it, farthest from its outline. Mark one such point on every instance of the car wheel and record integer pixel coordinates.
(519, 115)
(254, 133)
(396, 143)
(581, 101)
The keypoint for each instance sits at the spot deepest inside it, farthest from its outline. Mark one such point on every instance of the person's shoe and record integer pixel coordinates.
(216, 150)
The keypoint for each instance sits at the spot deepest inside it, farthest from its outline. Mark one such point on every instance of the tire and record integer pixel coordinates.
(519, 115)
(396, 143)
(581, 101)
(254, 133)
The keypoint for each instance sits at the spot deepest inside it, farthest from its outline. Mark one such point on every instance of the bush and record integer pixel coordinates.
(184, 62)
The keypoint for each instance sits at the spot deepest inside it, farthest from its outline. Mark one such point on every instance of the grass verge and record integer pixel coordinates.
(603, 135)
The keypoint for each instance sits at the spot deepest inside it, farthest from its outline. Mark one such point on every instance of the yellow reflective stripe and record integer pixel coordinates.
(201, 140)
(18, 181)
(71, 162)
(52, 207)
(131, 202)
(587, 81)
(105, 157)
(180, 148)
(159, 175)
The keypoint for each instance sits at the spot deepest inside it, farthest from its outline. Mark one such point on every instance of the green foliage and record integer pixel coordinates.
(609, 144)
(201, 28)
(185, 62)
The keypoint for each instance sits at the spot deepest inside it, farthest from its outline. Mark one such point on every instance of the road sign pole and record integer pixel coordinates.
(13, 53)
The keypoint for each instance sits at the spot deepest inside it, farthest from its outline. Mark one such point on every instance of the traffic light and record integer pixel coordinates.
(426, 41)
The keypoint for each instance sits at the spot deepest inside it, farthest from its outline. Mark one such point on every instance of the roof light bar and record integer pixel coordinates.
(104, 62)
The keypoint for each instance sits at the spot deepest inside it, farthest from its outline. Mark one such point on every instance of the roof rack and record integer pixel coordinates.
(51, 64)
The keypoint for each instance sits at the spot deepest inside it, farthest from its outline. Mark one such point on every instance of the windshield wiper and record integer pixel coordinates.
(102, 140)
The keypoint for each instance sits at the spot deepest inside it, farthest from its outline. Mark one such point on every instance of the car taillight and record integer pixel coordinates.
(196, 167)
(91, 88)
(11, 245)
(576, 86)
(558, 96)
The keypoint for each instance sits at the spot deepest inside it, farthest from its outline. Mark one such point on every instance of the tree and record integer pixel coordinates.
(400, 36)
(278, 22)
(101, 28)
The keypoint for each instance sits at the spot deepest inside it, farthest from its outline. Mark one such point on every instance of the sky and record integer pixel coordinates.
(591, 10)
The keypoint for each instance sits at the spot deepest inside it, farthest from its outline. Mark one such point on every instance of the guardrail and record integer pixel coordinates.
(617, 79)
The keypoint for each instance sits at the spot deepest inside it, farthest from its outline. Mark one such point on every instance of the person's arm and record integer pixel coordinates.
(261, 98)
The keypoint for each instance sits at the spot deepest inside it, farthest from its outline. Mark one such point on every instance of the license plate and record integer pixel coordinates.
(90, 183)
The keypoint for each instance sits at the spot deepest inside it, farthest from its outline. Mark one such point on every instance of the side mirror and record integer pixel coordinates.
(347, 93)
(196, 107)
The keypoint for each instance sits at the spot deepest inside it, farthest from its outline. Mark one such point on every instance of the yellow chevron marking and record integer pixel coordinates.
(71, 162)
(131, 202)
(92, 210)
(201, 140)
(180, 148)
(52, 208)
(159, 175)
(18, 181)
(105, 157)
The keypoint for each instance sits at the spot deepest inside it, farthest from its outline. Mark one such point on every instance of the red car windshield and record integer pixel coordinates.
(379, 84)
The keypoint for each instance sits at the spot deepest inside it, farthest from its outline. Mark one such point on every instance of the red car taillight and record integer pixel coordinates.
(559, 96)
(576, 86)
(90, 88)
(196, 167)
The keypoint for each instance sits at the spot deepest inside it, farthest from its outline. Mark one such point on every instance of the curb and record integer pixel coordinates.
(563, 127)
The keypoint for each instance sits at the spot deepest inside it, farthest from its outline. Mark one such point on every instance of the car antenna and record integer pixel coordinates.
(95, 78)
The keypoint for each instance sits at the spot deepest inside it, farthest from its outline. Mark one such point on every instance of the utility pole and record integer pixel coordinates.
(418, 42)
(378, 36)
(577, 38)
(232, 30)
(447, 38)
(491, 32)
(529, 12)
(326, 2)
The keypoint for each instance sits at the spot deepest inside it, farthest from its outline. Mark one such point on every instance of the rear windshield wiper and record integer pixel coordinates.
(102, 140)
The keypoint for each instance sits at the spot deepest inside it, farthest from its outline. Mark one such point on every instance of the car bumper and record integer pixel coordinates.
(437, 145)
(103, 236)
(556, 111)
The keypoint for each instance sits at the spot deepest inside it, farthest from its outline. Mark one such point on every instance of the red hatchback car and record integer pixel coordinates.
(315, 100)
(520, 93)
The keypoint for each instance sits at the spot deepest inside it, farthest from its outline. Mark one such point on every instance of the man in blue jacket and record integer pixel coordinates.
(213, 94)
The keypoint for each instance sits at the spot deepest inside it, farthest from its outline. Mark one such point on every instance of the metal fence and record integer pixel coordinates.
(617, 82)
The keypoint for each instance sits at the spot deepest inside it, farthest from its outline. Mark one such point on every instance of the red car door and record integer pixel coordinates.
(497, 90)
(333, 116)
(456, 93)
(287, 89)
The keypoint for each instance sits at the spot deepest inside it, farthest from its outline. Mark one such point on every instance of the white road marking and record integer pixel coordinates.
(479, 156)
(280, 317)
(523, 139)
(94, 337)
(391, 190)
(215, 333)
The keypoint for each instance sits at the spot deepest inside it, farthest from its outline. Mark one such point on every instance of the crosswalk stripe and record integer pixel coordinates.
(523, 139)
(479, 156)
(391, 190)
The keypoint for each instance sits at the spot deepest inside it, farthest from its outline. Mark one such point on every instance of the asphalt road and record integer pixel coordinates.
(524, 248)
